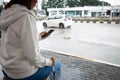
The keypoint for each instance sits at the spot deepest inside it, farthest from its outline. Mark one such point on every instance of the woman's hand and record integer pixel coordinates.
(43, 34)
(53, 61)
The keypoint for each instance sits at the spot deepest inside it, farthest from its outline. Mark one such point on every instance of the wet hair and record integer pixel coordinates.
(27, 3)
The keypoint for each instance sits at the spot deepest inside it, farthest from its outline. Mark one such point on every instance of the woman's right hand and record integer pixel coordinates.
(43, 34)
(53, 61)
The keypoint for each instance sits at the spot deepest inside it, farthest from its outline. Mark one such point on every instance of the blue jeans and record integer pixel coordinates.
(42, 73)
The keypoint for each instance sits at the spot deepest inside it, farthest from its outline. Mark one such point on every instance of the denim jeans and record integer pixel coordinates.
(42, 73)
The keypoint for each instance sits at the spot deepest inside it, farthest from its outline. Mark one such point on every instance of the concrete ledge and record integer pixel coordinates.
(108, 20)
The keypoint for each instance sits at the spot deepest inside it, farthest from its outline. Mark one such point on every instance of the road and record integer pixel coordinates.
(97, 42)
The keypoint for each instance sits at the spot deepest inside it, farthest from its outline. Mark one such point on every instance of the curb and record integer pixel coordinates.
(86, 58)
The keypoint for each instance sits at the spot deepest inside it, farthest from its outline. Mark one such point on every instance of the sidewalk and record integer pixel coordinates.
(82, 69)
(74, 68)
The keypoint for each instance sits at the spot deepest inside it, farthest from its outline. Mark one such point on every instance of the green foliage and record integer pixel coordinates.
(94, 3)
(73, 3)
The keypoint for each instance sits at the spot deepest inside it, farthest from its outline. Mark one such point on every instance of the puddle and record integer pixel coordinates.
(67, 38)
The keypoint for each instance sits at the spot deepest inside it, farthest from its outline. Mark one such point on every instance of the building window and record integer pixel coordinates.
(61, 12)
(86, 12)
(71, 13)
(78, 13)
(93, 14)
(53, 12)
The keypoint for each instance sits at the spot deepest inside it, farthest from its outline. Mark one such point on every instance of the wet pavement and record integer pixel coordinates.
(74, 68)
(99, 42)
(97, 52)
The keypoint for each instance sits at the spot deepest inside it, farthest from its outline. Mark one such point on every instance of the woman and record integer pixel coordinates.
(20, 57)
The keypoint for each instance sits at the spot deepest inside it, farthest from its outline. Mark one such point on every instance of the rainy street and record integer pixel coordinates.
(93, 41)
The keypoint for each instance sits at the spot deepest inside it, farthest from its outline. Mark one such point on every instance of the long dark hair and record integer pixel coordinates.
(27, 3)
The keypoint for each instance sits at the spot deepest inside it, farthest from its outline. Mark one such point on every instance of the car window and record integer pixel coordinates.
(50, 18)
(57, 17)
(68, 17)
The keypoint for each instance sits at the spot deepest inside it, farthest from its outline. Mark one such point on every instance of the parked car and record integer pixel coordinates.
(61, 21)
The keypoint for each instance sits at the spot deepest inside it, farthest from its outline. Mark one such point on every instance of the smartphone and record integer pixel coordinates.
(50, 31)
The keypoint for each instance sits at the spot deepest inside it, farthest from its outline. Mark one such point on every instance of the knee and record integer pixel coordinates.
(58, 65)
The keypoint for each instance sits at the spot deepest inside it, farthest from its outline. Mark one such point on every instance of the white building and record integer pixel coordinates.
(86, 11)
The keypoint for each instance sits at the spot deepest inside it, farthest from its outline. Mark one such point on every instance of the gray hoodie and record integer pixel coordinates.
(20, 53)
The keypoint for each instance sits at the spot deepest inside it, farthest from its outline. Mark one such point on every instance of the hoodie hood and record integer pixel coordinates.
(12, 14)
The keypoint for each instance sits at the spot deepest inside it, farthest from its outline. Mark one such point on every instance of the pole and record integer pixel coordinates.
(111, 13)
(102, 7)
(64, 6)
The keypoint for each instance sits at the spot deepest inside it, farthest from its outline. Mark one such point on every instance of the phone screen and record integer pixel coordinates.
(50, 31)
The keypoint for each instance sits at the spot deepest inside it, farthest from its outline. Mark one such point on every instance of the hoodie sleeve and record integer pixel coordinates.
(29, 42)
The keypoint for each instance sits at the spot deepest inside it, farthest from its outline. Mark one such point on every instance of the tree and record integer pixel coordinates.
(74, 3)
(94, 3)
